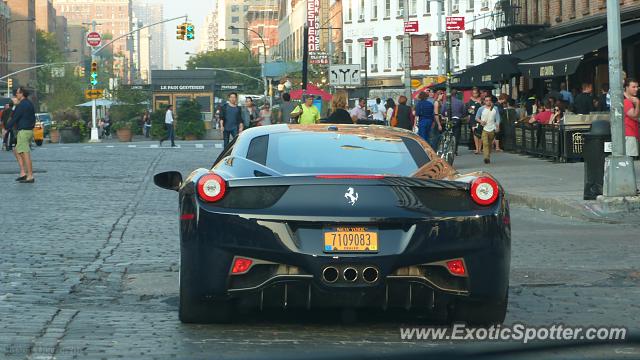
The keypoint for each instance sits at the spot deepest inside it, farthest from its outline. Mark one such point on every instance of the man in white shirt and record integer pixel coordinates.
(378, 111)
(359, 112)
(489, 117)
(168, 122)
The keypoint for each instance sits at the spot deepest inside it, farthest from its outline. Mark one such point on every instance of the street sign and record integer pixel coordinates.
(455, 23)
(318, 57)
(438, 43)
(94, 39)
(368, 43)
(344, 75)
(455, 42)
(411, 26)
(94, 94)
(455, 35)
(420, 52)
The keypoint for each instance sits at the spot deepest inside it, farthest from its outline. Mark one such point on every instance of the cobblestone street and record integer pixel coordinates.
(89, 263)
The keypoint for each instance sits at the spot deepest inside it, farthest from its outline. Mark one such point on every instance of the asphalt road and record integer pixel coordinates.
(89, 259)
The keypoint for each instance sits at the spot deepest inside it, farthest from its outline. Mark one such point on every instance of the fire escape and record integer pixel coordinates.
(509, 18)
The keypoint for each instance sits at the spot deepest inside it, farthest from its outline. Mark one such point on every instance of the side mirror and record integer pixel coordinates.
(170, 180)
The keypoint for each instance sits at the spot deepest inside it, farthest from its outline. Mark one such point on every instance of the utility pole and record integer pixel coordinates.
(366, 75)
(407, 57)
(305, 58)
(619, 175)
(440, 10)
(449, 65)
(94, 128)
(330, 54)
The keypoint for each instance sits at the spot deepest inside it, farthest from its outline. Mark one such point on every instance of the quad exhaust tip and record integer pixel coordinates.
(350, 274)
(370, 275)
(330, 274)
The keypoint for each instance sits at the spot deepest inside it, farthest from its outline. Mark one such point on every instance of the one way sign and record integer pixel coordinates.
(344, 75)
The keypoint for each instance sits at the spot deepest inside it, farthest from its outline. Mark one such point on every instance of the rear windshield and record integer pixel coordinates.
(332, 153)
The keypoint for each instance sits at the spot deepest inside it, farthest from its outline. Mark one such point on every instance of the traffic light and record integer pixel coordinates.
(190, 32)
(181, 32)
(10, 83)
(82, 71)
(94, 73)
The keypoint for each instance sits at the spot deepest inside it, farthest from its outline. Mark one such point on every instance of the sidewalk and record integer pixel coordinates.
(544, 185)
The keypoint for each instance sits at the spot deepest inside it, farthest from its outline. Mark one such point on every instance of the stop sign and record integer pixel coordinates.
(94, 39)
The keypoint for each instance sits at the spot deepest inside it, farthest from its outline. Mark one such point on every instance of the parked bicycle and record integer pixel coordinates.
(446, 148)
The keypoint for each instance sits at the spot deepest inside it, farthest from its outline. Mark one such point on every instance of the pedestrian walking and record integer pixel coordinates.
(474, 104)
(390, 105)
(4, 119)
(24, 119)
(403, 116)
(249, 113)
(146, 123)
(231, 121)
(489, 117)
(285, 110)
(425, 114)
(438, 108)
(168, 122)
(306, 113)
(265, 115)
(339, 114)
(378, 111)
(631, 115)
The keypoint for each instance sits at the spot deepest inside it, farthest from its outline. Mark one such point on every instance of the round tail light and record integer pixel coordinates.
(484, 191)
(211, 187)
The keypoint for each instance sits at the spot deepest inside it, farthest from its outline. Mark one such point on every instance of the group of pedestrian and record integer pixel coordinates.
(18, 120)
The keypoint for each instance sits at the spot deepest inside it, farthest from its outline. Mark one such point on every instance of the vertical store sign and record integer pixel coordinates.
(313, 20)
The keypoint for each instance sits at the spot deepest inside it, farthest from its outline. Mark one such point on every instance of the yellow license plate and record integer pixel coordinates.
(350, 239)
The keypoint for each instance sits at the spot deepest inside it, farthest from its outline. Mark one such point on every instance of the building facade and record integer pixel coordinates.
(114, 17)
(62, 36)
(77, 40)
(383, 21)
(292, 18)
(150, 13)
(208, 34)
(262, 19)
(5, 17)
(335, 20)
(23, 32)
(45, 16)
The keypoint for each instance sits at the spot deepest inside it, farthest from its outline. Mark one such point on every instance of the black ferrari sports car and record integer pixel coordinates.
(340, 216)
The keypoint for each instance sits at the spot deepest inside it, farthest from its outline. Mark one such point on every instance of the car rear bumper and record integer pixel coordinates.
(411, 258)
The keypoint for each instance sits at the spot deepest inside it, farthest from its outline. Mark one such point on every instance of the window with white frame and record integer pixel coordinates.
(400, 53)
(349, 13)
(503, 43)
(362, 54)
(455, 6)
(484, 4)
(348, 49)
(427, 7)
(471, 54)
(400, 8)
(387, 54)
(374, 10)
(374, 60)
(456, 56)
(486, 48)
(470, 4)
(413, 7)
(387, 8)
(361, 11)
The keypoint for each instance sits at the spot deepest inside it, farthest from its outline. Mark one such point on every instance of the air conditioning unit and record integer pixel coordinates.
(484, 4)
(361, 17)
(456, 8)
(400, 12)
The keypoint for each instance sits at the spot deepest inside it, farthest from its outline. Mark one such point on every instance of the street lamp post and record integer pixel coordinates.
(238, 41)
(619, 175)
(264, 54)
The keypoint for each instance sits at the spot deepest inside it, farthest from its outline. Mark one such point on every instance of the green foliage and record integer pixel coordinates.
(69, 118)
(231, 59)
(189, 120)
(126, 116)
(131, 124)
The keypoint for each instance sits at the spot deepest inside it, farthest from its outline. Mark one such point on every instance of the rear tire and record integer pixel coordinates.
(38, 142)
(195, 308)
(480, 313)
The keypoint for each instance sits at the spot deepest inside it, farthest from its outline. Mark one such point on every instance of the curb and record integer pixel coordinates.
(590, 211)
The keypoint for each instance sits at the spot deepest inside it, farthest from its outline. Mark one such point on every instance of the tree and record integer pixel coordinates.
(63, 91)
(231, 59)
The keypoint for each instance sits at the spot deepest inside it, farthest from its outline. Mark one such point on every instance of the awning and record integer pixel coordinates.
(496, 70)
(564, 60)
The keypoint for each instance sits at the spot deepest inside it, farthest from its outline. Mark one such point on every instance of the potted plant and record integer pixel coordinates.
(125, 129)
(54, 133)
(69, 125)
(189, 121)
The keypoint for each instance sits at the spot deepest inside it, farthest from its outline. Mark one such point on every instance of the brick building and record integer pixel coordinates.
(5, 17)
(262, 19)
(22, 44)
